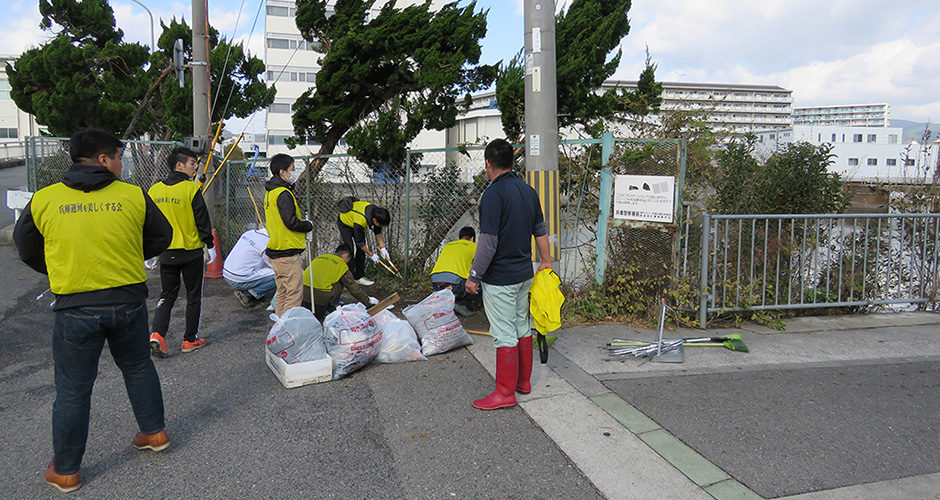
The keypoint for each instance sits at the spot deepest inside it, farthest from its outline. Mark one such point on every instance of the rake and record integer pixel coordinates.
(732, 342)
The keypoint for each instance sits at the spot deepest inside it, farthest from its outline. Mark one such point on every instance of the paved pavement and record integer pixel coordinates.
(830, 409)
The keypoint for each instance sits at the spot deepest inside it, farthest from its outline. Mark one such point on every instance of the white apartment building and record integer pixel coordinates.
(292, 64)
(732, 108)
(862, 154)
(15, 125)
(851, 115)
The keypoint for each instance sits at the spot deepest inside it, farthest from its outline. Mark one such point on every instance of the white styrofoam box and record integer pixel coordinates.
(298, 374)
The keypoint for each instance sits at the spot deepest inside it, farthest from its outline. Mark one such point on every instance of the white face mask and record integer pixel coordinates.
(293, 177)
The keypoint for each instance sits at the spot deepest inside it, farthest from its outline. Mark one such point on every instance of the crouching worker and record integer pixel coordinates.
(248, 269)
(354, 218)
(330, 275)
(453, 267)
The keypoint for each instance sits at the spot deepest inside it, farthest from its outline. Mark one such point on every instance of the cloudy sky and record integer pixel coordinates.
(833, 52)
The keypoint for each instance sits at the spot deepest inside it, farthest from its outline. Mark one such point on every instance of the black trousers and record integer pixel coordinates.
(191, 273)
(357, 265)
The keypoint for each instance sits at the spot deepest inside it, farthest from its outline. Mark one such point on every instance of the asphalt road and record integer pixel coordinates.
(404, 431)
(790, 431)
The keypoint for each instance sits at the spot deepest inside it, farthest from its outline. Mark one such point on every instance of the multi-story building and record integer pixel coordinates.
(730, 108)
(292, 63)
(15, 124)
(852, 115)
(862, 154)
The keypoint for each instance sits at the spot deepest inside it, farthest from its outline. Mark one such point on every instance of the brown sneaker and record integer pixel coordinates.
(192, 346)
(155, 442)
(64, 482)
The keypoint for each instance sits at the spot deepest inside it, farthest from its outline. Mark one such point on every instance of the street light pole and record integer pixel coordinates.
(153, 47)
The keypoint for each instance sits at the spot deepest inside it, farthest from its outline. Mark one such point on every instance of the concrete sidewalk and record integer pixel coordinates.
(627, 454)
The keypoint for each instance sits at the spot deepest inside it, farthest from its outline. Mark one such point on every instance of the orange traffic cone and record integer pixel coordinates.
(214, 270)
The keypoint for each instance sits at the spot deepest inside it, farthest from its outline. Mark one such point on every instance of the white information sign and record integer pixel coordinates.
(644, 197)
(535, 146)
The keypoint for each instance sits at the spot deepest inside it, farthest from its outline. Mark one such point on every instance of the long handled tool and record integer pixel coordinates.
(732, 341)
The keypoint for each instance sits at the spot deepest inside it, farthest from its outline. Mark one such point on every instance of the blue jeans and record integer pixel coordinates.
(259, 288)
(78, 336)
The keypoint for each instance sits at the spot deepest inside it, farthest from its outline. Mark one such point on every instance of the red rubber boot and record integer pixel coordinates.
(507, 372)
(523, 385)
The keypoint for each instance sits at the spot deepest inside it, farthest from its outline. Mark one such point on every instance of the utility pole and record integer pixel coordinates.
(200, 65)
(541, 114)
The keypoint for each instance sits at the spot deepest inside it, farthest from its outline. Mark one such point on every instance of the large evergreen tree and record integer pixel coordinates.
(384, 80)
(86, 75)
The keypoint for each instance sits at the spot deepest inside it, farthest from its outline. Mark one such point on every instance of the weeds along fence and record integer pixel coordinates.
(865, 262)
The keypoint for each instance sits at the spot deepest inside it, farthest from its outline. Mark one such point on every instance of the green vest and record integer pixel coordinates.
(327, 270)
(94, 240)
(281, 237)
(457, 258)
(356, 216)
(176, 203)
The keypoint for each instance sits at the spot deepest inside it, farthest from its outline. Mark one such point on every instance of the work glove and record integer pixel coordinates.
(151, 263)
(309, 236)
(373, 301)
(375, 258)
(385, 253)
(212, 255)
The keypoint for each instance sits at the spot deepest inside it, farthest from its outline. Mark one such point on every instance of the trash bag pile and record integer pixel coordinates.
(353, 339)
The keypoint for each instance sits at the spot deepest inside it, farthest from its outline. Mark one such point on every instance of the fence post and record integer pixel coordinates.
(404, 266)
(703, 285)
(607, 148)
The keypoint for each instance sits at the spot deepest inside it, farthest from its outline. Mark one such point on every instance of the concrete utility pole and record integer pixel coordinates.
(541, 113)
(200, 67)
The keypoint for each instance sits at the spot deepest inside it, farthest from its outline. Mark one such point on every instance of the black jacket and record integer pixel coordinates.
(31, 245)
(285, 207)
(203, 225)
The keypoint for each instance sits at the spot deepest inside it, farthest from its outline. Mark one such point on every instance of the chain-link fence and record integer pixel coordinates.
(430, 197)
(638, 258)
(47, 158)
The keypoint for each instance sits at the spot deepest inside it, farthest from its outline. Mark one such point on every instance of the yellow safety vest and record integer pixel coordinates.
(327, 269)
(356, 216)
(176, 203)
(94, 240)
(457, 258)
(281, 237)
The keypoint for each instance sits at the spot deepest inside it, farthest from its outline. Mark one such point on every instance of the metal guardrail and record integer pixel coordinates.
(776, 262)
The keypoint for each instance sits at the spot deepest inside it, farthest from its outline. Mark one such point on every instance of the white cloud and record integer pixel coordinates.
(845, 51)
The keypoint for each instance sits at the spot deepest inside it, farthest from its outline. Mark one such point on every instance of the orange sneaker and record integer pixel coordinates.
(155, 442)
(158, 345)
(63, 482)
(192, 346)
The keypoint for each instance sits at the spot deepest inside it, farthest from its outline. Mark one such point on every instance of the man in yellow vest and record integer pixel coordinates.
(354, 218)
(327, 276)
(453, 268)
(287, 233)
(91, 234)
(182, 203)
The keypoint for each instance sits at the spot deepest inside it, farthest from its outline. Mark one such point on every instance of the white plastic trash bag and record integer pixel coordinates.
(399, 341)
(351, 337)
(296, 336)
(436, 324)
